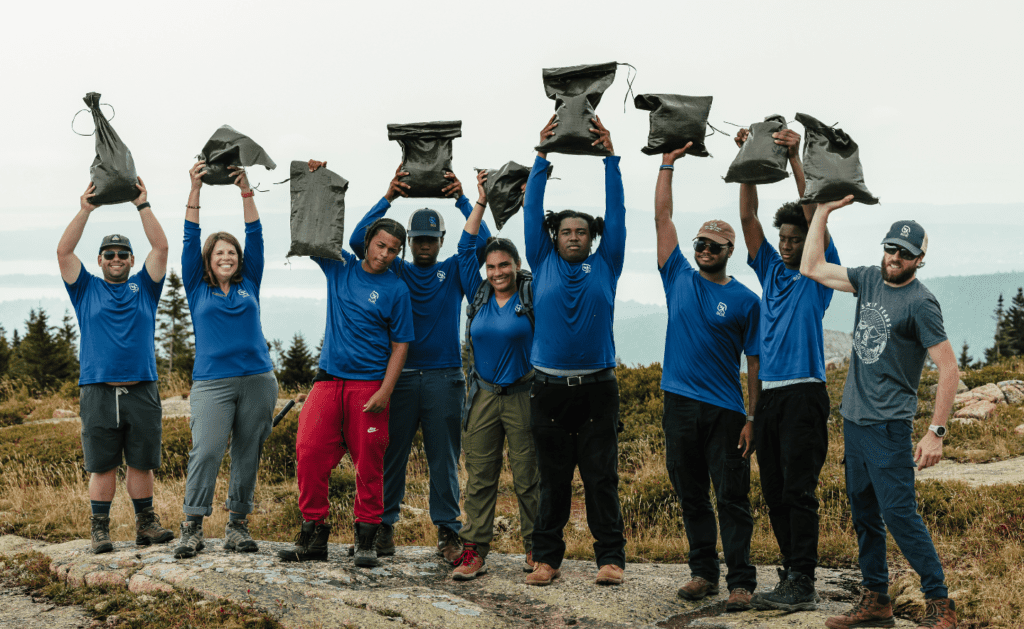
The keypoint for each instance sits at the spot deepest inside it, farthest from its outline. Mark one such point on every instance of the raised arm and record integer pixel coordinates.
(395, 189)
(813, 264)
(538, 243)
(70, 264)
(156, 261)
(454, 190)
(753, 232)
(613, 241)
(791, 140)
(929, 449)
(476, 215)
(668, 240)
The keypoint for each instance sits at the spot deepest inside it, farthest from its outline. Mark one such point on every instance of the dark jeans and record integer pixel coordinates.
(791, 435)
(700, 445)
(577, 426)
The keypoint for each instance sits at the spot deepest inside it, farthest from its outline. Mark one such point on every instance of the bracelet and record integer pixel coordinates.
(191, 207)
(248, 195)
(750, 418)
(142, 206)
(480, 204)
(667, 167)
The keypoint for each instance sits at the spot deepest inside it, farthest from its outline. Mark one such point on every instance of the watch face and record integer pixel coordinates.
(940, 431)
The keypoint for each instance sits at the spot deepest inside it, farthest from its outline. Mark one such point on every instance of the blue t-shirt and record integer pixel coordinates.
(117, 323)
(436, 292)
(792, 340)
(366, 312)
(229, 337)
(709, 325)
(502, 341)
(574, 303)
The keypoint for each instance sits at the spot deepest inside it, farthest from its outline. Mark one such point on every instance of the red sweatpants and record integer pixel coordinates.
(332, 422)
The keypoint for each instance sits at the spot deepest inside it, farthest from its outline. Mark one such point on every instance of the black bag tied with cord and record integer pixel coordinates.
(675, 120)
(503, 188)
(831, 164)
(227, 147)
(426, 155)
(318, 211)
(576, 90)
(760, 159)
(113, 170)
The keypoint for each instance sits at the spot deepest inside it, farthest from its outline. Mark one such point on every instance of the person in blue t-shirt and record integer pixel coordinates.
(791, 417)
(431, 392)
(234, 388)
(712, 318)
(574, 406)
(120, 401)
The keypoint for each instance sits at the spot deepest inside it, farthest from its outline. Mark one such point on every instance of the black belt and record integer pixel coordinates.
(605, 375)
(511, 389)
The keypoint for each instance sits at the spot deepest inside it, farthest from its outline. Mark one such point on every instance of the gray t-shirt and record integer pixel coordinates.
(894, 329)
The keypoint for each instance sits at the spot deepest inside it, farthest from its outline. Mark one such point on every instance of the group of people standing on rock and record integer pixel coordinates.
(542, 379)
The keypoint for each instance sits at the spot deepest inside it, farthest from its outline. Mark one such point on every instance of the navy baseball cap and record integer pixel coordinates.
(426, 222)
(909, 235)
(116, 240)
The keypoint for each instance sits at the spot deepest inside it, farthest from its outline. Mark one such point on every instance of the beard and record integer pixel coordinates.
(711, 268)
(897, 278)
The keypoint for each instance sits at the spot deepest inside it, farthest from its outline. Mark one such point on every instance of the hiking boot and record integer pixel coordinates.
(191, 541)
(469, 564)
(529, 564)
(872, 610)
(365, 553)
(310, 543)
(237, 538)
(609, 574)
(543, 574)
(101, 534)
(940, 613)
(697, 588)
(794, 594)
(739, 600)
(148, 530)
(385, 543)
(449, 545)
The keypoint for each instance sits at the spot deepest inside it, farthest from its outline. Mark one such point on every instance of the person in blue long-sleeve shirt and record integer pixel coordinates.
(575, 397)
(431, 391)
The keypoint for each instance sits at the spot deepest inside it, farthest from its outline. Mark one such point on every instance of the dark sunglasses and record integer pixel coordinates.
(713, 247)
(121, 255)
(904, 254)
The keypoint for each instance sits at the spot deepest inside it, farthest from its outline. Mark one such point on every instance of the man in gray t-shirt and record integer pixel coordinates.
(898, 323)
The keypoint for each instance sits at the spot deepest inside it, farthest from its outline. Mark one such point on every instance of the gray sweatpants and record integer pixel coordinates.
(241, 408)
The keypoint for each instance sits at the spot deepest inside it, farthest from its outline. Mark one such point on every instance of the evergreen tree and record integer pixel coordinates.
(298, 366)
(5, 353)
(994, 353)
(174, 329)
(1014, 325)
(45, 355)
(965, 358)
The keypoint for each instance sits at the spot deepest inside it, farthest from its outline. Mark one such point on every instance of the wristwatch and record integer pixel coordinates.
(940, 431)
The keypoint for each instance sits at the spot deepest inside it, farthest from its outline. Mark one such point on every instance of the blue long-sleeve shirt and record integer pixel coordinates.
(574, 303)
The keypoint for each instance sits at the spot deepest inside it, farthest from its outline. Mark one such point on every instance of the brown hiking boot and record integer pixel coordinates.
(529, 564)
(697, 588)
(148, 530)
(609, 574)
(872, 610)
(543, 574)
(469, 565)
(449, 545)
(739, 601)
(940, 613)
(101, 534)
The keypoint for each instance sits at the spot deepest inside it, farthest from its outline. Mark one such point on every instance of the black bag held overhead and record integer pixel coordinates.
(760, 159)
(113, 170)
(426, 155)
(576, 91)
(503, 188)
(831, 164)
(318, 212)
(675, 120)
(227, 147)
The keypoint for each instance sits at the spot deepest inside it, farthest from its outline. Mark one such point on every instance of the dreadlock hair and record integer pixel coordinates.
(791, 213)
(552, 223)
(211, 242)
(388, 226)
(504, 245)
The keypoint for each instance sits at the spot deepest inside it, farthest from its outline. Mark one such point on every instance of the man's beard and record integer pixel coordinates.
(900, 278)
(711, 269)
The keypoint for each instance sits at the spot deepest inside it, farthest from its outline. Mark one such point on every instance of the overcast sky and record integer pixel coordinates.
(930, 91)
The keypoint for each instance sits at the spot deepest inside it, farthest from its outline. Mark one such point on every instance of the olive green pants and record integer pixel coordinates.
(491, 419)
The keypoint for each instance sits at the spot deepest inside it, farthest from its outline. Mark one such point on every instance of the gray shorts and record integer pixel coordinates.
(118, 420)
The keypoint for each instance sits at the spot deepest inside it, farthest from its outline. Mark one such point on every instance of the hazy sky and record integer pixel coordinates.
(931, 92)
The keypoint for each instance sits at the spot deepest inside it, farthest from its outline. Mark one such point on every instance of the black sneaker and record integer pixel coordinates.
(449, 545)
(310, 543)
(101, 534)
(385, 544)
(794, 594)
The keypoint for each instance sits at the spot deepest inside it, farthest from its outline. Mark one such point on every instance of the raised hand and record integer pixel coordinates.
(604, 136)
(139, 200)
(670, 158)
(314, 164)
(89, 193)
(196, 173)
(454, 189)
(396, 188)
(240, 179)
(789, 139)
(481, 177)
(741, 137)
(549, 129)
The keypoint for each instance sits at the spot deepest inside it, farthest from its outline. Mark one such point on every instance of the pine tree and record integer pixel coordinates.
(45, 355)
(994, 353)
(174, 329)
(965, 358)
(1014, 326)
(298, 366)
(276, 349)
(5, 353)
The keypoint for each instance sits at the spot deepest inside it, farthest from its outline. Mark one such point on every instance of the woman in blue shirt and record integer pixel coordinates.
(233, 384)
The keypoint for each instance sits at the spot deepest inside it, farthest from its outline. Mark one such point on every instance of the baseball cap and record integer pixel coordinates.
(718, 231)
(909, 235)
(116, 240)
(426, 222)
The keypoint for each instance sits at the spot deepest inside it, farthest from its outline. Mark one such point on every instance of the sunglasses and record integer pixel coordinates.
(121, 255)
(904, 254)
(713, 247)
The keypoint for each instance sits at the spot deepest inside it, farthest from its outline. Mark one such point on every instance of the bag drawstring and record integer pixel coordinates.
(118, 392)
(629, 84)
(113, 113)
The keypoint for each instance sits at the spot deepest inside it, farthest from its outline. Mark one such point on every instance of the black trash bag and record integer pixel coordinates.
(426, 155)
(318, 212)
(576, 90)
(113, 170)
(227, 147)
(675, 120)
(503, 188)
(831, 164)
(760, 159)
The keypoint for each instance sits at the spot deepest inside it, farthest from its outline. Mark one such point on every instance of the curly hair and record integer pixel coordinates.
(388, 226)
(504, 245)
(553, 221)
(791, 213)
(211, 242)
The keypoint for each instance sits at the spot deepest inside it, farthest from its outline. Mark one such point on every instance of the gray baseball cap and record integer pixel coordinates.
(426, 222)
(909, 235)
(116, 240)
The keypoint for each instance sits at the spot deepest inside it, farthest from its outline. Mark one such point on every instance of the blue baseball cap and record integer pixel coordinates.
(909, 235)
(426, 222)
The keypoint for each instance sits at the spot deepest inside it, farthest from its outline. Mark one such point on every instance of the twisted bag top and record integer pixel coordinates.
(113, 170)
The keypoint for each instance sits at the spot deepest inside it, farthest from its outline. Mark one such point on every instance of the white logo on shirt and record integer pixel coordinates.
(519, 307)
(721, 309)
(872, 333)
(242, 293)
(440, 276)
(371, 429)
(905, 231)
(134, 287)
(373, 297)
(586, 268)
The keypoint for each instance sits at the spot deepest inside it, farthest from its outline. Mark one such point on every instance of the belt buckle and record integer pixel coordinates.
(502, 391)
(578, 381)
